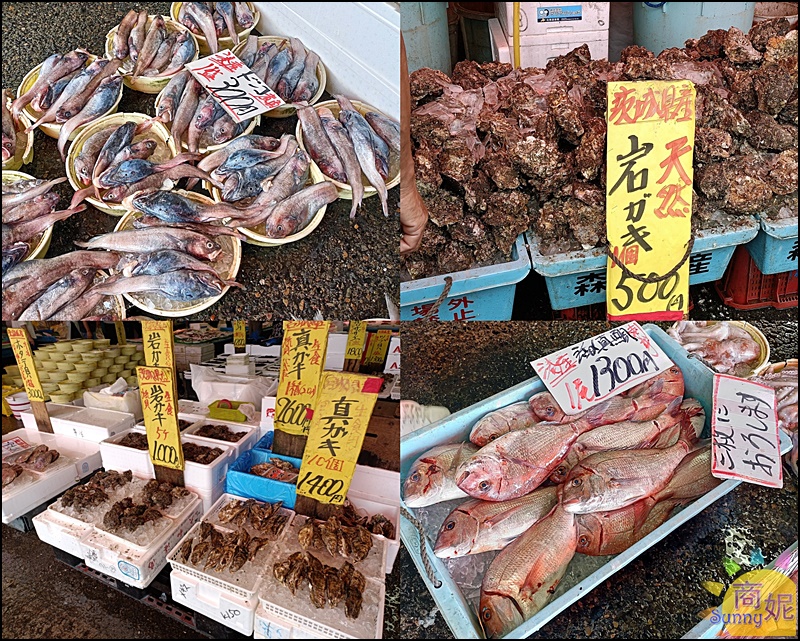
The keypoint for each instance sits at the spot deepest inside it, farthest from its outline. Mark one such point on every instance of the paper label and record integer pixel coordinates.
(594, 370)
(14, 446)
(27, 369)
(745, 443)
(341, 416)
(559, 14)
(378, 347)
(355, 340)
(239, 334)
(158, 344)
(302, 361)
(156, 386)
(234, 86)
(649, 197)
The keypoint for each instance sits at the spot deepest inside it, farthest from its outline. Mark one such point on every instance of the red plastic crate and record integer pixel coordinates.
(745, 287)
(590, 312)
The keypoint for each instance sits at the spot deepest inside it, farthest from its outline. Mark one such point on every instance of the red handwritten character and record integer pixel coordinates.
(623, 107)
(583, 391)
(335, 464)
(672, 203)
(227, 61)
(315, 358)
(684, 106)
(421, 311)
(559, 367)
(652, 104)
(677, 148)
(209, 72)
(269, 100)
(626, 255)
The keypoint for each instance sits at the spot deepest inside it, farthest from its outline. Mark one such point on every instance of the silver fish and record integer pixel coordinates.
(293, 214)
(120, 46)
(100, 102)
(347, 153)
(27, 190)
(86, 303)
(204, 19)
(30, 209)
(175, 208)
(52, 69)
(75, 104)
(155, 36)
(137, 36)
(182, 285)
(308, 84)
(276, 68)
(243, 15)
(225, 9)
(23, 231)
(386, 128)
(161, 262)
(171, 95)
(206, 229)
(215, 159)
(319, 145)
(154, 239)
(248, 53)
(245, 158)
(54, 91)
(59, 294)
(86, 159)
(134, 170)
(185, 110)
(163, 55)
(183, 51)
(76, 87)
(14, 255)
(290, 78)
(163, 179)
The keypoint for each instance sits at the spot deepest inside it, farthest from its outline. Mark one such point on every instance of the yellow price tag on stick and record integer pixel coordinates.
(355, 339)
(239, 334)
(302, 361)
(120, 329)
(378, 347)
(27, 369)
(160, 409)
(341, 416)
(649, 198)
(158, 343)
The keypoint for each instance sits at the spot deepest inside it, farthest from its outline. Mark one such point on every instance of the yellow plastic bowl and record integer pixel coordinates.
(138, 357)
(122, 360)
(165, 151)
(91, 357)
(58, 377)
(322, 76)
(91, 382)
(128, 350)
(71, 357)
(64, 347)
(13, 370)
(57, 357)
(224, 42)
(132, 380)
(147, 84)
(126, 373)
(49, 366)
(50, 387)
(61, 398)
(111, 352)
(344, 189)
(38, 247)
(115, 369)
(25, 155)
(81, 347)
(99, 372)
(77, 377)
(87, 368)
(101, 343)
(109, 378)
(66, 366)
(52, 129)
(105, 362)
(227, 266)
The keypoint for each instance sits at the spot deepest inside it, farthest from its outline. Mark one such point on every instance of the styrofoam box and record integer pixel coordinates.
(378, 492)
(546, 47)
(92, 424)
(55, 410)
(368, 504)
(334, 362)
(209, 497)
(244, 443)
(547, 18)
(121, 458)
(191, 410)
(268, 625)
(77, 459)
(267, 423)
(256, 350)
(217, 604)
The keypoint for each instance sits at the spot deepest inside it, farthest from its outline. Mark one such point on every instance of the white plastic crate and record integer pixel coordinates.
(93, 424)
(209, 497)
(191, 410)
(539, 19)
(77, 459)
(121, 458)
(61, 531)
(378, 492)
(57, 411)
(217, 604)
(243, 444)
(368, 504)
(268, 625)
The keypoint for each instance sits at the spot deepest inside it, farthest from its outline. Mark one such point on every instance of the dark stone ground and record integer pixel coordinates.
(659, 594)
(342, 269)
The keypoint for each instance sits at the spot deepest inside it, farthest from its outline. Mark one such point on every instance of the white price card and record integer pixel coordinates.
(14, 446)
(592, 371)
(745, 442)
(234, 86)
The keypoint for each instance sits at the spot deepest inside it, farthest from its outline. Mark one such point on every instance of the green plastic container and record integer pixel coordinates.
(226, 413)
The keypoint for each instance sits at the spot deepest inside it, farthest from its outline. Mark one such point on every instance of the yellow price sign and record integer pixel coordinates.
(158, 344)
(27, 369)
(759, 604)
(355, 339)
(120, 328)
(239, 334)
(302, 361)
(649, 198)
(378, 347)
(338, 426)
(160, 409)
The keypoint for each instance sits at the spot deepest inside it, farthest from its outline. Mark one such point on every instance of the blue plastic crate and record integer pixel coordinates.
(483, 293)
(265, 442)
(774, 249)
(578, 278)
(456, 610)
(240, 482)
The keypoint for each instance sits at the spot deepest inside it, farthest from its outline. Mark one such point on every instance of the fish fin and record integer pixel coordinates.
(80, 195)
(688, 435)
(457, 460)
(674, 406)
(642, 511)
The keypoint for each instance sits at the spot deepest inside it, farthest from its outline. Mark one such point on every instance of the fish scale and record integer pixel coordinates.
(436, 475)
(513, 417)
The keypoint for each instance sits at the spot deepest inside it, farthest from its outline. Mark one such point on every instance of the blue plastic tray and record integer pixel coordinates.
(240, 482)
(265, 442)
(455, 609)
(578, 278)
(774, 249)
(483, 293)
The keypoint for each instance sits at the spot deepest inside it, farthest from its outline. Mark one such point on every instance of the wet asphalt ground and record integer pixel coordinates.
(659, 594)
(341, 270)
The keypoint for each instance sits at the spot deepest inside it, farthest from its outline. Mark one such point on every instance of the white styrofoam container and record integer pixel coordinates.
(191, 410)
(378, 492)
(241, 370)
(268, 625)
(334, 362)
(209, 497)
(547, 18)
(77, 459)
(245, 443)
(368, 504)
(267, 423)
(393, 357)
(546, 47)
(217, 604)
(256, 350)
(121, 458)
(337, 343)
(92, 424)
(61, 532)
(55, 410)
(207, 476)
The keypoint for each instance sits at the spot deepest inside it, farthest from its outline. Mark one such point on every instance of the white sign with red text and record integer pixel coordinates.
(745, 443)
(268, 413)
(234, 86)
(594, 370)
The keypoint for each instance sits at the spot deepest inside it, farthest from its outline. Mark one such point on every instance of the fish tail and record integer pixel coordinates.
(688, 434)
(81, 194)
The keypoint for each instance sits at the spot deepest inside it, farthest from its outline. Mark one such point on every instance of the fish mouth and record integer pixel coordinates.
(462, 477)
(570, 505)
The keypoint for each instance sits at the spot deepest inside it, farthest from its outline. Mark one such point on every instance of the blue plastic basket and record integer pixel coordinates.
(578, 278)
(265, 442)
(455, 609)
(774, 249)
(240, 482)
(483, 293)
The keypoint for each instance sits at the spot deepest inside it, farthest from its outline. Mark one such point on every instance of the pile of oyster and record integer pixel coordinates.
(499, 151)
(351, 542)
(221, 549)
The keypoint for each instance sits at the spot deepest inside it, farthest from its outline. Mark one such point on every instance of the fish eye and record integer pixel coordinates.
(450, 525)
(209, 244)
(484, 485)
(576, 482)
(550, 411)
(415, 477)
(486, 613)
(279, 228)
(583, 541)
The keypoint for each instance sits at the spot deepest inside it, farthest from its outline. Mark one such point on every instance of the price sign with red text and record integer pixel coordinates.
(239, 334)
(745, 443)
(594, 370)
(302, 361)
(341, 416)
(159, 406)
(237, 89)
(27, 370)
(378, 347)
(649, 175)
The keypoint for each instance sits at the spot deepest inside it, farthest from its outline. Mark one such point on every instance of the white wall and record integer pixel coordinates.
(358, 42)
